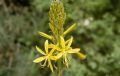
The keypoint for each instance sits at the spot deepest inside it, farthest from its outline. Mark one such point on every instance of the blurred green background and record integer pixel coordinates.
(97, 34)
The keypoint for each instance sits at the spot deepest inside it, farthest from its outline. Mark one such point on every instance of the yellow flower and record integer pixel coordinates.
(70, 50)
(47, 56)
(65, 49)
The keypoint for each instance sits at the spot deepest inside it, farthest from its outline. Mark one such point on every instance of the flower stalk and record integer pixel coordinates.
(57, 48)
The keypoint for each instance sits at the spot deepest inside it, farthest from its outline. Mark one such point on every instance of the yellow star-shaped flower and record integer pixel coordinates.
(47, 56)
(64, 49)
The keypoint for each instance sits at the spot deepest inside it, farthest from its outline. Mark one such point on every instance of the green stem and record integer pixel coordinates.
(59, 70)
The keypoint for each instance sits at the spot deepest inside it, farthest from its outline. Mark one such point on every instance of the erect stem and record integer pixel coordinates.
(59, 70)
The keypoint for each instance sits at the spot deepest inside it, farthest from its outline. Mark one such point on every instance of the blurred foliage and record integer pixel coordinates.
(97, 34)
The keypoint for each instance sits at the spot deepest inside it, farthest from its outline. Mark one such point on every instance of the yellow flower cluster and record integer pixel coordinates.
(59, 47)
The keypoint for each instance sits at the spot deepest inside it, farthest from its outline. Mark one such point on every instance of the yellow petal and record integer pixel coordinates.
(54, 46)
(81, 56)
(51, 45)
(50, 65)
(67, 41)
(45, 35)
(53, 58)
(39, 50)
(69, 29)
(70, 42)
(51, 52)
(59, 55)
(62, 42)
(76, 50)
(46, 46)
(39, 59)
